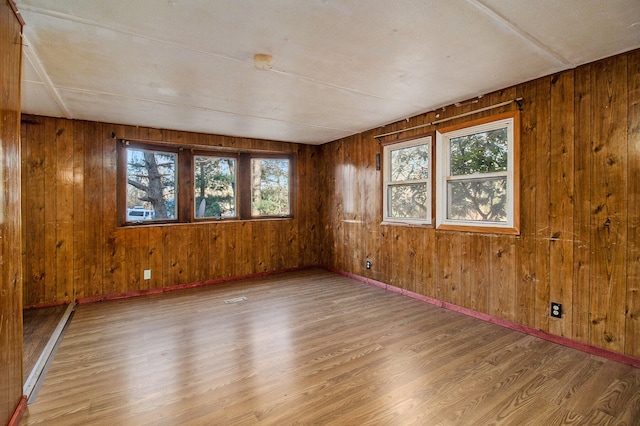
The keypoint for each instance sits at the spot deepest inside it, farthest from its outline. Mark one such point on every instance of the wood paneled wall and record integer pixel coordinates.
(10, 263)
(74, 249)
(580, 211)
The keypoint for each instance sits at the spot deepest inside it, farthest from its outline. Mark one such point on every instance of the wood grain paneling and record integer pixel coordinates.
(64, 213)
(502, 295)
(75, 248)
(579, 206)
(541, 163)
(50, 213)
(561, 196)
(479, 278)
(10, 220)
(609, 202)
(632, 322)
(582, 206)
(93, 217)
(526, 244)
(33, 178)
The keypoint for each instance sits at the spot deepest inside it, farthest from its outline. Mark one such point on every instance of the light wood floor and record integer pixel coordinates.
(312, 347)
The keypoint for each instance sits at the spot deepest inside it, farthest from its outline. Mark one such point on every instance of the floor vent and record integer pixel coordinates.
(235, 300)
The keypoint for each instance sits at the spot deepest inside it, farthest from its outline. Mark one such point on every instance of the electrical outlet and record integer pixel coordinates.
(368, 264)
(556, 310)
(147, 274)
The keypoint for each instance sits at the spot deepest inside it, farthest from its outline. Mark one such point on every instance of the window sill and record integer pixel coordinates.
(409, 224)
(202, 222)
(479, 229)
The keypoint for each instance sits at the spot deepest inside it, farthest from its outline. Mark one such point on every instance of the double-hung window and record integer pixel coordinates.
(477, 175)
(407, 182)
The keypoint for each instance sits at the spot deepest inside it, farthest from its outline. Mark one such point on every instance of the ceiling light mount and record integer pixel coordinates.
(262, 61)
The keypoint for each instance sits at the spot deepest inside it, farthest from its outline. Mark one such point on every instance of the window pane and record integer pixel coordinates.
(478, 200)
(269, 187)
(151, 185)
(408, 201)
(483, 152)
(410, 163)
(214, 186)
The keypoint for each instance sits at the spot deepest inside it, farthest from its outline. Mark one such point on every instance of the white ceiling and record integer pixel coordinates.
(339, 66)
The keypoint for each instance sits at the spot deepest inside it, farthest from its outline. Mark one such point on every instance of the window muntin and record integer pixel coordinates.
(151, 178)
(214, 187)
(270, 187)
(476, 185)
(407, 182)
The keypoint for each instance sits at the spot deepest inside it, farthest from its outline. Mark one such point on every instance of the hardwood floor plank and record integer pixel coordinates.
(313, 347)
(563, 417)
(617, 396)
(630, 413)
(515, 408)
(571, 386)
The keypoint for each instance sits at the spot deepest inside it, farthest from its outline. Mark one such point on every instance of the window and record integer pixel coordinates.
(160, 183)
(270, 187)
(478, 179)
(215, 186)
(151, 185)
(407, 182)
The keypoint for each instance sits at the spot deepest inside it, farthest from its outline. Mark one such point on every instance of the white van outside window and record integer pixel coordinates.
(139, 213)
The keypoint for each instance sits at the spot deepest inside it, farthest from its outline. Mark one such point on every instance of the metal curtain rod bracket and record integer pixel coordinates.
(432, 123)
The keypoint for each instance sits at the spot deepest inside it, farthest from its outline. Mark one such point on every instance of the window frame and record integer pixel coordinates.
(387, 183)
(122, 184)
(185, 185)
(510, 121)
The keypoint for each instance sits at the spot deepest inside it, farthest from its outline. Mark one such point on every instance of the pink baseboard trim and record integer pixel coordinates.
(17, 414)
(565, 341)
(168, 289)
(45, 305)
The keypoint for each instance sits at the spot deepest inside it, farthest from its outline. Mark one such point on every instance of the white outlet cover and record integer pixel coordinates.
(147, 274)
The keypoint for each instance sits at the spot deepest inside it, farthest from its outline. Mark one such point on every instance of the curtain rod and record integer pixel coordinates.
(190, 146)
(517, 100)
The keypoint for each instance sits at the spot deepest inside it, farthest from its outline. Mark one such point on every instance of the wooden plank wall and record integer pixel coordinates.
(74, 249)
(580, 211)
(10, 261)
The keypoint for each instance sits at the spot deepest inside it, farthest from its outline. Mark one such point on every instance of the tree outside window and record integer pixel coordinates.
(270, 187)
(151, 185)
(214, 186)
(478, 183)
